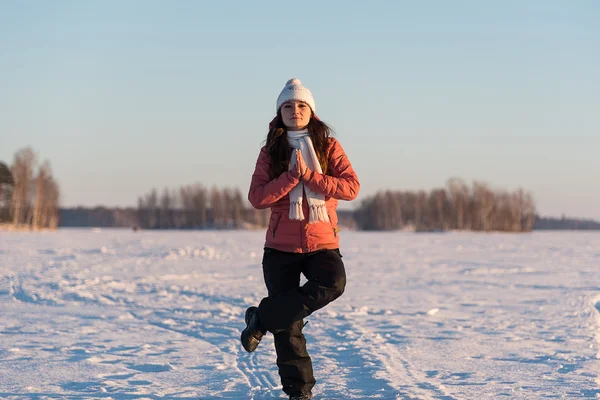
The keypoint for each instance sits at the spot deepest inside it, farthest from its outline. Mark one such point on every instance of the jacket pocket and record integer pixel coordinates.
(336, 229)
(274, 223)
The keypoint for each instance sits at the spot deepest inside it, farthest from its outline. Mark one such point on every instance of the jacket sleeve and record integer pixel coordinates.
(265, 192)
(343, 183)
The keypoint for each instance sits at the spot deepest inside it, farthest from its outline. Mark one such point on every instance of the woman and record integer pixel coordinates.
(301, 173)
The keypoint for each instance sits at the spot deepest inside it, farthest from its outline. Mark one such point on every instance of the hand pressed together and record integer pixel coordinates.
(300, 170)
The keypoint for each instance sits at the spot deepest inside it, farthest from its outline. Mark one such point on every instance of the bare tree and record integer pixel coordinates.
(217, 207)
(237, 209)
(52, 204)
(380, 210)
(22, 172)
(439, 209)
(421, 211)
(200, 205)
(395, 209)
(528, 213)
(166, 205)
(187, 197)
(227, 199)
(148, 211)
(482, 206)
(459, 198)
(40, 207)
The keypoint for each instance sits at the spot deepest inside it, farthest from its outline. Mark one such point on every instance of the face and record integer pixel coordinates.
(295, 114)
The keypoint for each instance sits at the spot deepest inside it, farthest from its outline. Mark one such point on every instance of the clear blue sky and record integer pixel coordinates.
(123, 96)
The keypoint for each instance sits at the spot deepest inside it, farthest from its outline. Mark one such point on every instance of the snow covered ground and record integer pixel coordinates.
(157, 315)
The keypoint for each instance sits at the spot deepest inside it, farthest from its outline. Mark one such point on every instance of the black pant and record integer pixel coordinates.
(288, 303)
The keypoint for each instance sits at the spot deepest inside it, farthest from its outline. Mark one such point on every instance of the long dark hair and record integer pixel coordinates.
(280, 151)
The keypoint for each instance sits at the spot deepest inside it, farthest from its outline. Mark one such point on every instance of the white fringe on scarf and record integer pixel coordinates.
(300, 140)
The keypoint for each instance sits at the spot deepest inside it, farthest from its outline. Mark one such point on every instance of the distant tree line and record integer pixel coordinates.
(100, 217)
(189, 207)
(544, 223)
(105, 217)
(457, 206)
(29, 197)
(196, 207)
(29, 194)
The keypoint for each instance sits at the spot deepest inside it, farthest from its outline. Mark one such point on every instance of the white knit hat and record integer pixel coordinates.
(294, 90)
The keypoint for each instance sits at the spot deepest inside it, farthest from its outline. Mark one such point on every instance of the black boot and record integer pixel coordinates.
(253, 333)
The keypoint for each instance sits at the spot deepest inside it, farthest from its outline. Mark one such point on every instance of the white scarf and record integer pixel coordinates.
(300, 140)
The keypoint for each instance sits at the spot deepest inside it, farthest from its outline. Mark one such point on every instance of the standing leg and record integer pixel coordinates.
(282, 273)
(295, 365)
(326, 282)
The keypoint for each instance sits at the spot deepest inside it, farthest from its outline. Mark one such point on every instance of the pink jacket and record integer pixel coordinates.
(300, 236)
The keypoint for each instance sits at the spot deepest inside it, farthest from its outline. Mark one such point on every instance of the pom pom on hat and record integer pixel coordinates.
(294, 90)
